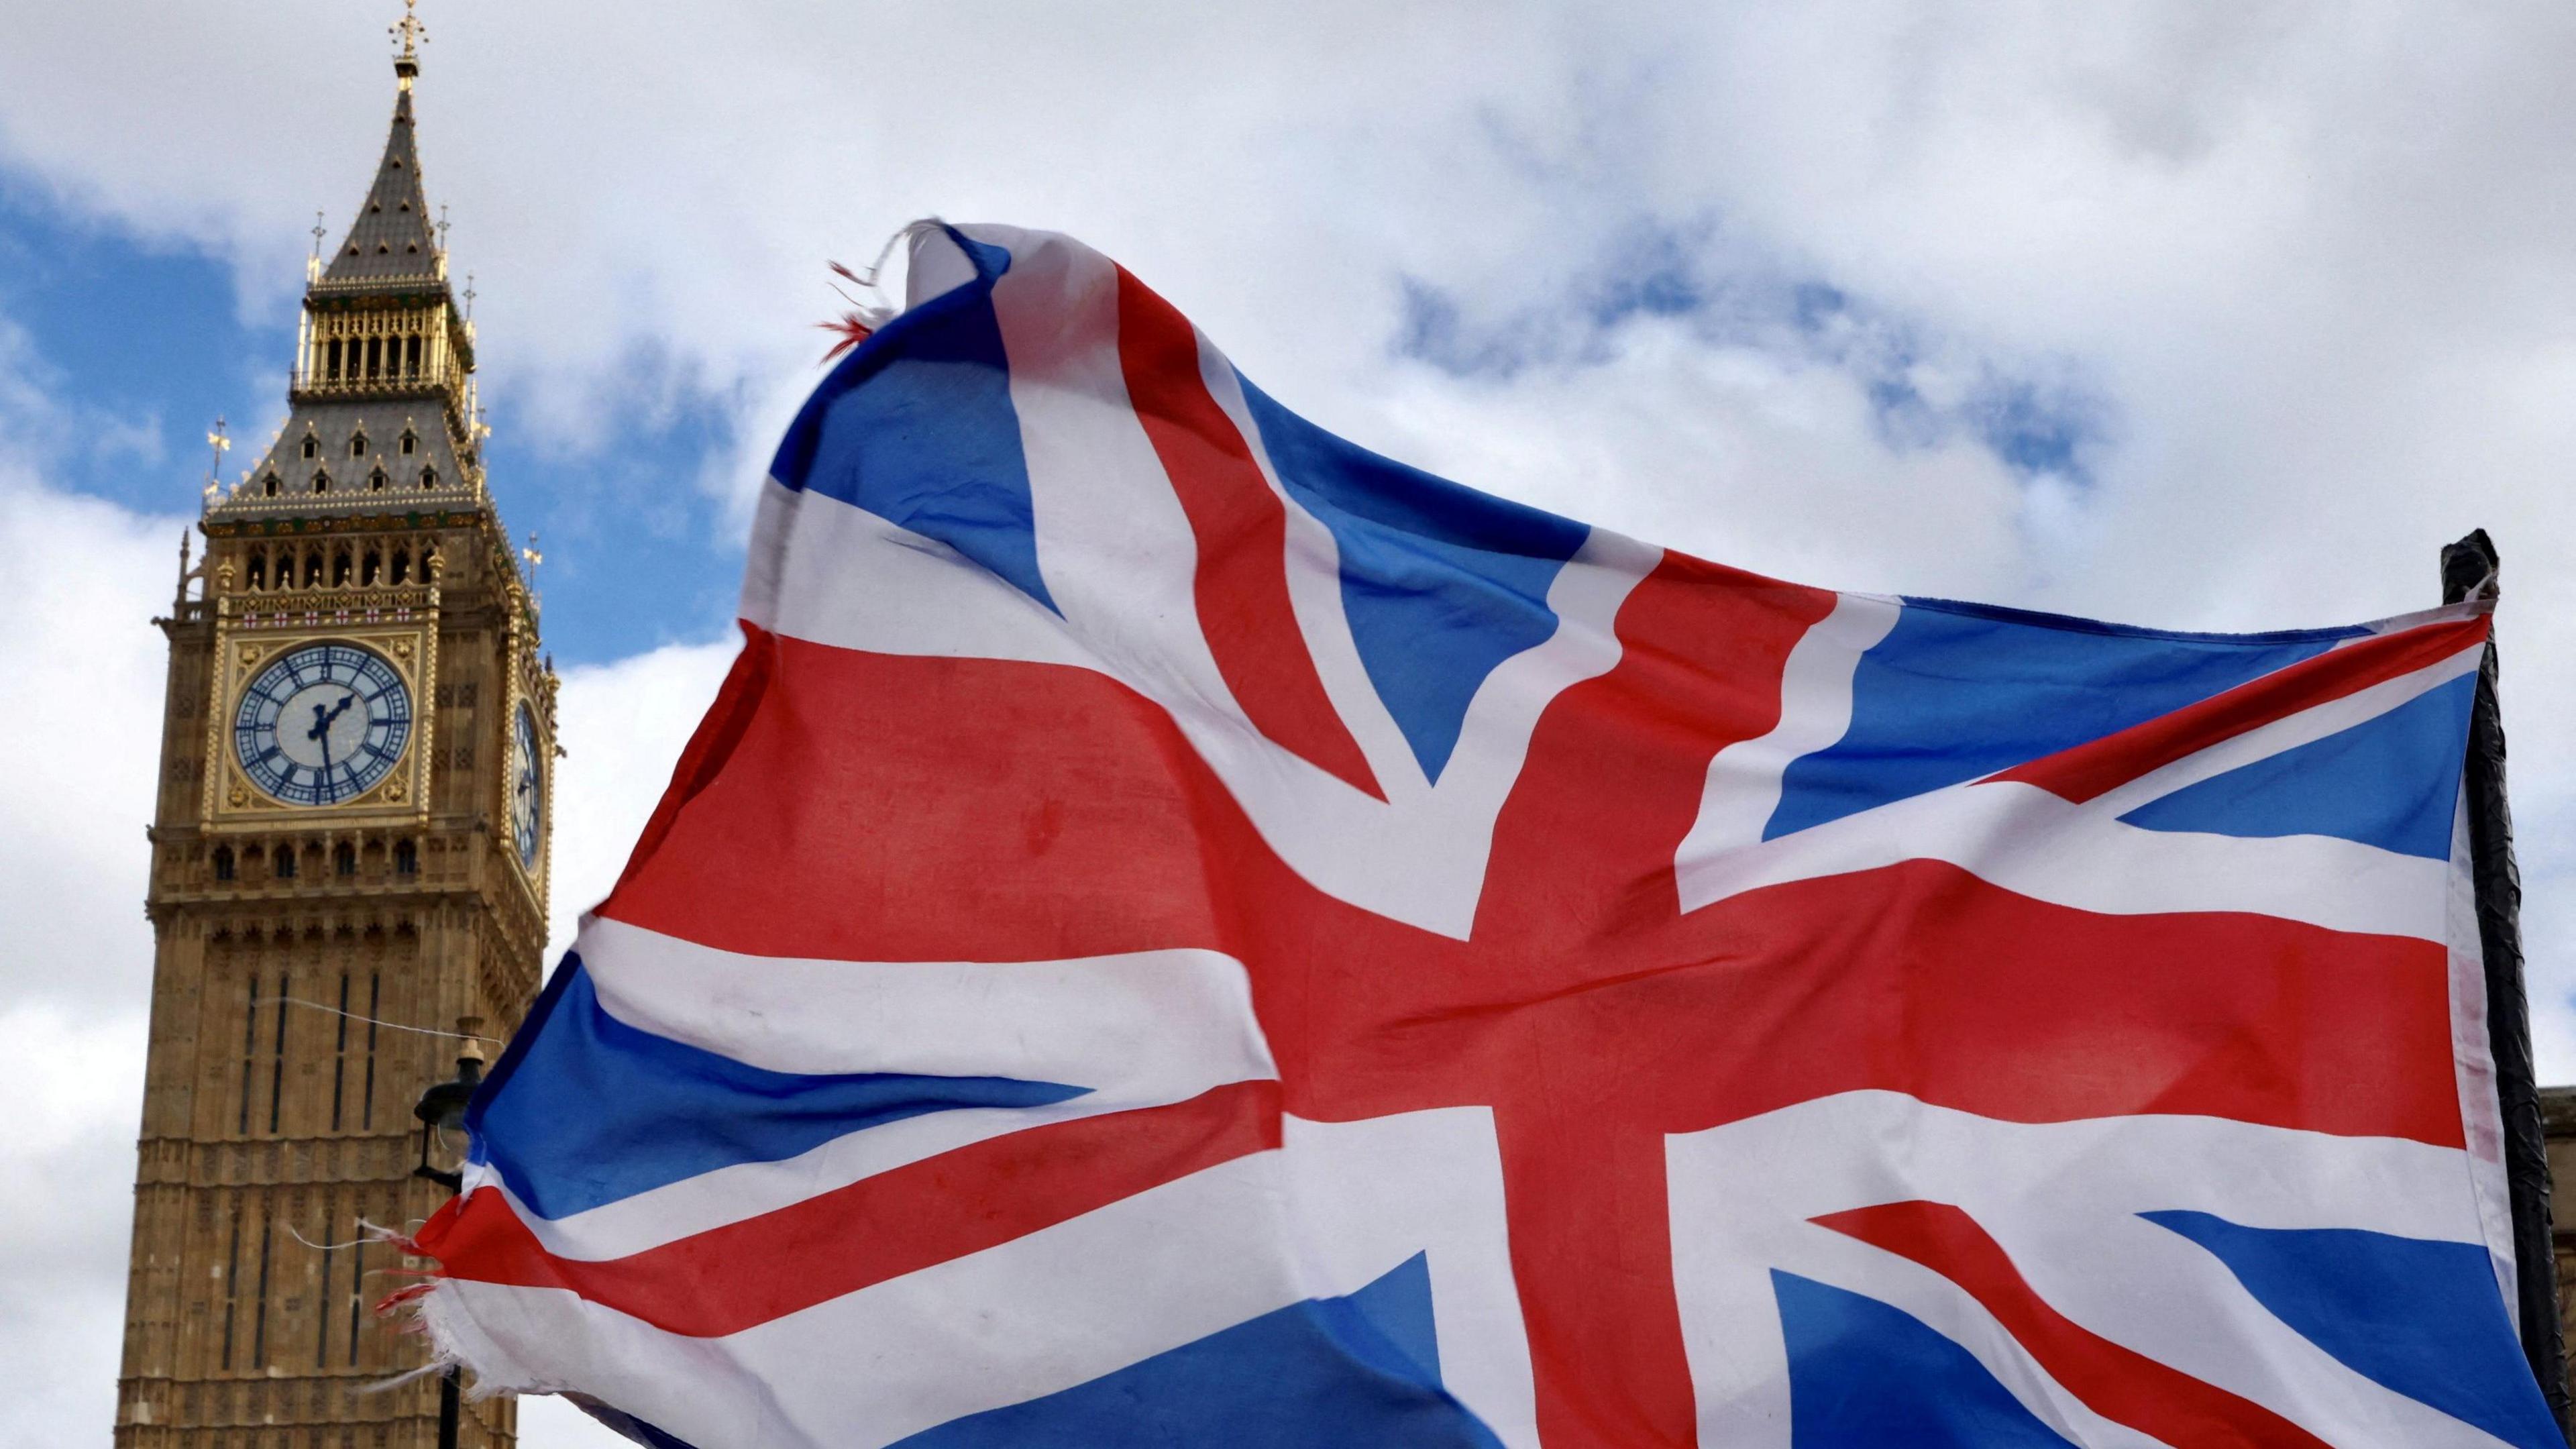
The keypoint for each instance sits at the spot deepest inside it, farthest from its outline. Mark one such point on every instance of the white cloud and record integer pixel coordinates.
(2315, 264)
(81, 669)
(623, 726)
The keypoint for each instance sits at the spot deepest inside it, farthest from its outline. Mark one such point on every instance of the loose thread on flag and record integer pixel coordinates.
(863, 319)
(326, 1247)
(367, 1233)
(388, 1025)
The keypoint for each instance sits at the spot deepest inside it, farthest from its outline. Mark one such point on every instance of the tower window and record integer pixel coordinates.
(331, 370)
(358, 444)
(344, 859)
(223, 862)
(375, 357)
(282, 863)
(259, 568)
(410, 442)
(268, 485)
(402, 567)
(406, 858)
(429, 477)
(321, 482)
(313, 569)
(370, 569)
(312, 444)
(376, 480)
(411, 354)
(340, 569)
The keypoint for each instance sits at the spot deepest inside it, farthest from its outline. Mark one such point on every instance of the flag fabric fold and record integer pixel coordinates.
(1178, 927)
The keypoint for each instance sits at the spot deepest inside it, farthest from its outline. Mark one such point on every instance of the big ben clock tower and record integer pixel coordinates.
(348, 855)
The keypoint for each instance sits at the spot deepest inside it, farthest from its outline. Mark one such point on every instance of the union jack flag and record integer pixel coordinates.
(1181, 930)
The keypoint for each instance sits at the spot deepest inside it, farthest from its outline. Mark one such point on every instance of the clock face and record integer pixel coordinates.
(322, 724)
(527, 787)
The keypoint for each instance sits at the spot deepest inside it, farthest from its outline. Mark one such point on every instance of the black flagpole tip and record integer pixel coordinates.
(2469, 568)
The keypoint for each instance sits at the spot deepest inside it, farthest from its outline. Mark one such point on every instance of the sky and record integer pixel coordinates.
(2212, 316)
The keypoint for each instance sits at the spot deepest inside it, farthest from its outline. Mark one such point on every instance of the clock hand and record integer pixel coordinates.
(322, 722)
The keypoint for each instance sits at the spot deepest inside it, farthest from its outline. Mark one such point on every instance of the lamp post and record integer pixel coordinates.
(442, 1109)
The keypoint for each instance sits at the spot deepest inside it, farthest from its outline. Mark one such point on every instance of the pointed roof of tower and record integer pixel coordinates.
(381, 400)
(392, 235)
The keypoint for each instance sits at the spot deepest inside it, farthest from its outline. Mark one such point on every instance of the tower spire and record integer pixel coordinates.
(392, 234)
(382, 392)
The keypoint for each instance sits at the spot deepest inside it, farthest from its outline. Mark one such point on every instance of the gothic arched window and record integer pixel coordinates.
(370, 569)
(406, 858)
(340, 567)
(282, 863)
(258, 573)
(223, 862)
(331, 369)
(313, 569)
(411, 355)
(402, 567)
(344, 859)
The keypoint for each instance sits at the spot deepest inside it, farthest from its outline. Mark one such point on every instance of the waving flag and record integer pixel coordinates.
(1180, 930)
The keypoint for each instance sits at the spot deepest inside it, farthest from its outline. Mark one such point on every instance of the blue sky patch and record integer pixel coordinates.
(2031, 414)
(140, 344)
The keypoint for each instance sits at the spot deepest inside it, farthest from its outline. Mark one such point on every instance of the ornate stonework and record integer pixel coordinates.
(335, 857)
(2558, 1126)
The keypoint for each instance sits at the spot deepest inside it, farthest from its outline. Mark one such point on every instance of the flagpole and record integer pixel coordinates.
(2469, 570)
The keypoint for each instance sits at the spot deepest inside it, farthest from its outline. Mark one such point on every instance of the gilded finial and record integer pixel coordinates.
(412, 34)
(221, 442)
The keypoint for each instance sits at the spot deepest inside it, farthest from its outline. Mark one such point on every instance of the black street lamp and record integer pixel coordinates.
(441, 1109)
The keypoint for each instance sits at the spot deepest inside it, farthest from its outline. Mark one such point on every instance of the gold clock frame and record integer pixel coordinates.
(234, 802)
